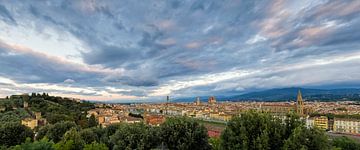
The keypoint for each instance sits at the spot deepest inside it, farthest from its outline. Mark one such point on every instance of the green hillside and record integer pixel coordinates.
(54, 109)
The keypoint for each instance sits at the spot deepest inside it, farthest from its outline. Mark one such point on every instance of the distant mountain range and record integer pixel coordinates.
(289, 94)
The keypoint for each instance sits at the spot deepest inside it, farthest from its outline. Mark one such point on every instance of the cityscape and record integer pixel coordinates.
(180, 75)
(335, 118)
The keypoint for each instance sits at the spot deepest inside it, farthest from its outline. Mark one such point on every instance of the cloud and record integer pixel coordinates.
(255, 39)
(69, 81)
(148, 49)
(193, 45)
(5, 15)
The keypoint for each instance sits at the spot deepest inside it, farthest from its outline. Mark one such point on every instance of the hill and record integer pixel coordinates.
(54, 109)
(287, 94)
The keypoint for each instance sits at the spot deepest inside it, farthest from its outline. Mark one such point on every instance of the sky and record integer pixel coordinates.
(143, 50)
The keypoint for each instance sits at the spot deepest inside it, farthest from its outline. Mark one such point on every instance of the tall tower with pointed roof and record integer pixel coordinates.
(299, 104)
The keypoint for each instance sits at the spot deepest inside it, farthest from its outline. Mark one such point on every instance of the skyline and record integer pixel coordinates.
(136, 50)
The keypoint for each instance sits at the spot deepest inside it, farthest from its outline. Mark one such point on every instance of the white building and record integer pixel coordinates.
(343, 125)
(310, 122)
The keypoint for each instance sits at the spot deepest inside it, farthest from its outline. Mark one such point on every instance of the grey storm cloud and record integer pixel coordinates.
(154, 43)
(5, 15)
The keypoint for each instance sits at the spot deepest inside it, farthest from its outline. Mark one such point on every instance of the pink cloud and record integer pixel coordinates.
(64, 64)
(193, 45)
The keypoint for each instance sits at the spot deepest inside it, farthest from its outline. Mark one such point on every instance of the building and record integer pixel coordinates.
(310, 122)
(276, 109)
(34, 122)
(154, 120)
(26, 104)
(101, 119)
(29, 122)
(321, 122)
(128, 119)
(225, 117)
(351, 126)
(212, 100)
(299, 104)
(331, 124)
(197, 101)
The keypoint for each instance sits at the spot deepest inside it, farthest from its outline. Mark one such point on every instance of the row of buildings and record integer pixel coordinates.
(107, 116)
(338, 125)
(224, 111)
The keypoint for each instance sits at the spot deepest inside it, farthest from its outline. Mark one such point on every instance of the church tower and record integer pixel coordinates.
(299, 104)
(212, 100)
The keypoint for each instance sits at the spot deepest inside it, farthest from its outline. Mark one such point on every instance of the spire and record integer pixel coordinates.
(299, 104)
(299, 96)
(167, 104)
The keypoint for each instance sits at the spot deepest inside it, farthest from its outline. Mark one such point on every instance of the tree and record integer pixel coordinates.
(104, 134)
(14, 133)
(33, 95)
(180, 133)
(43, 144)
(13, 115)
(53, 118)
(345, 143)
(135, 136)
(74, 136)
(253, 131)
(92, 121)
(82, 121)
(44, 95)
(95, 146)
(56, 131)
(215, 143)
(303, 138)
(43, 131)
(292, 121)
(65, 145)
(88, 136)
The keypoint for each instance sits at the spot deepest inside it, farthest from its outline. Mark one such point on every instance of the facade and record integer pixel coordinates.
(278, 110)
(351, 126)
(29, 122)
(128, 119)
(212, 100)
(310, 122)
(321, 122)
(154, 120)
(101, 119)
(34, 122)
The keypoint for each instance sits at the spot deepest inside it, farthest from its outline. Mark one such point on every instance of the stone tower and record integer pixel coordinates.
(197, 101)
(26, 104)
(299, 104)
(25, 98)
(37, 115)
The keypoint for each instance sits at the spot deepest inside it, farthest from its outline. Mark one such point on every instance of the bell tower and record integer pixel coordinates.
(299, 104)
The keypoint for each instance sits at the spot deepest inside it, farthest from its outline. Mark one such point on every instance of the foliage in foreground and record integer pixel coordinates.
(184, 133)
(345, 143)
(14, 133)
(257, 131)
(251, 130)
